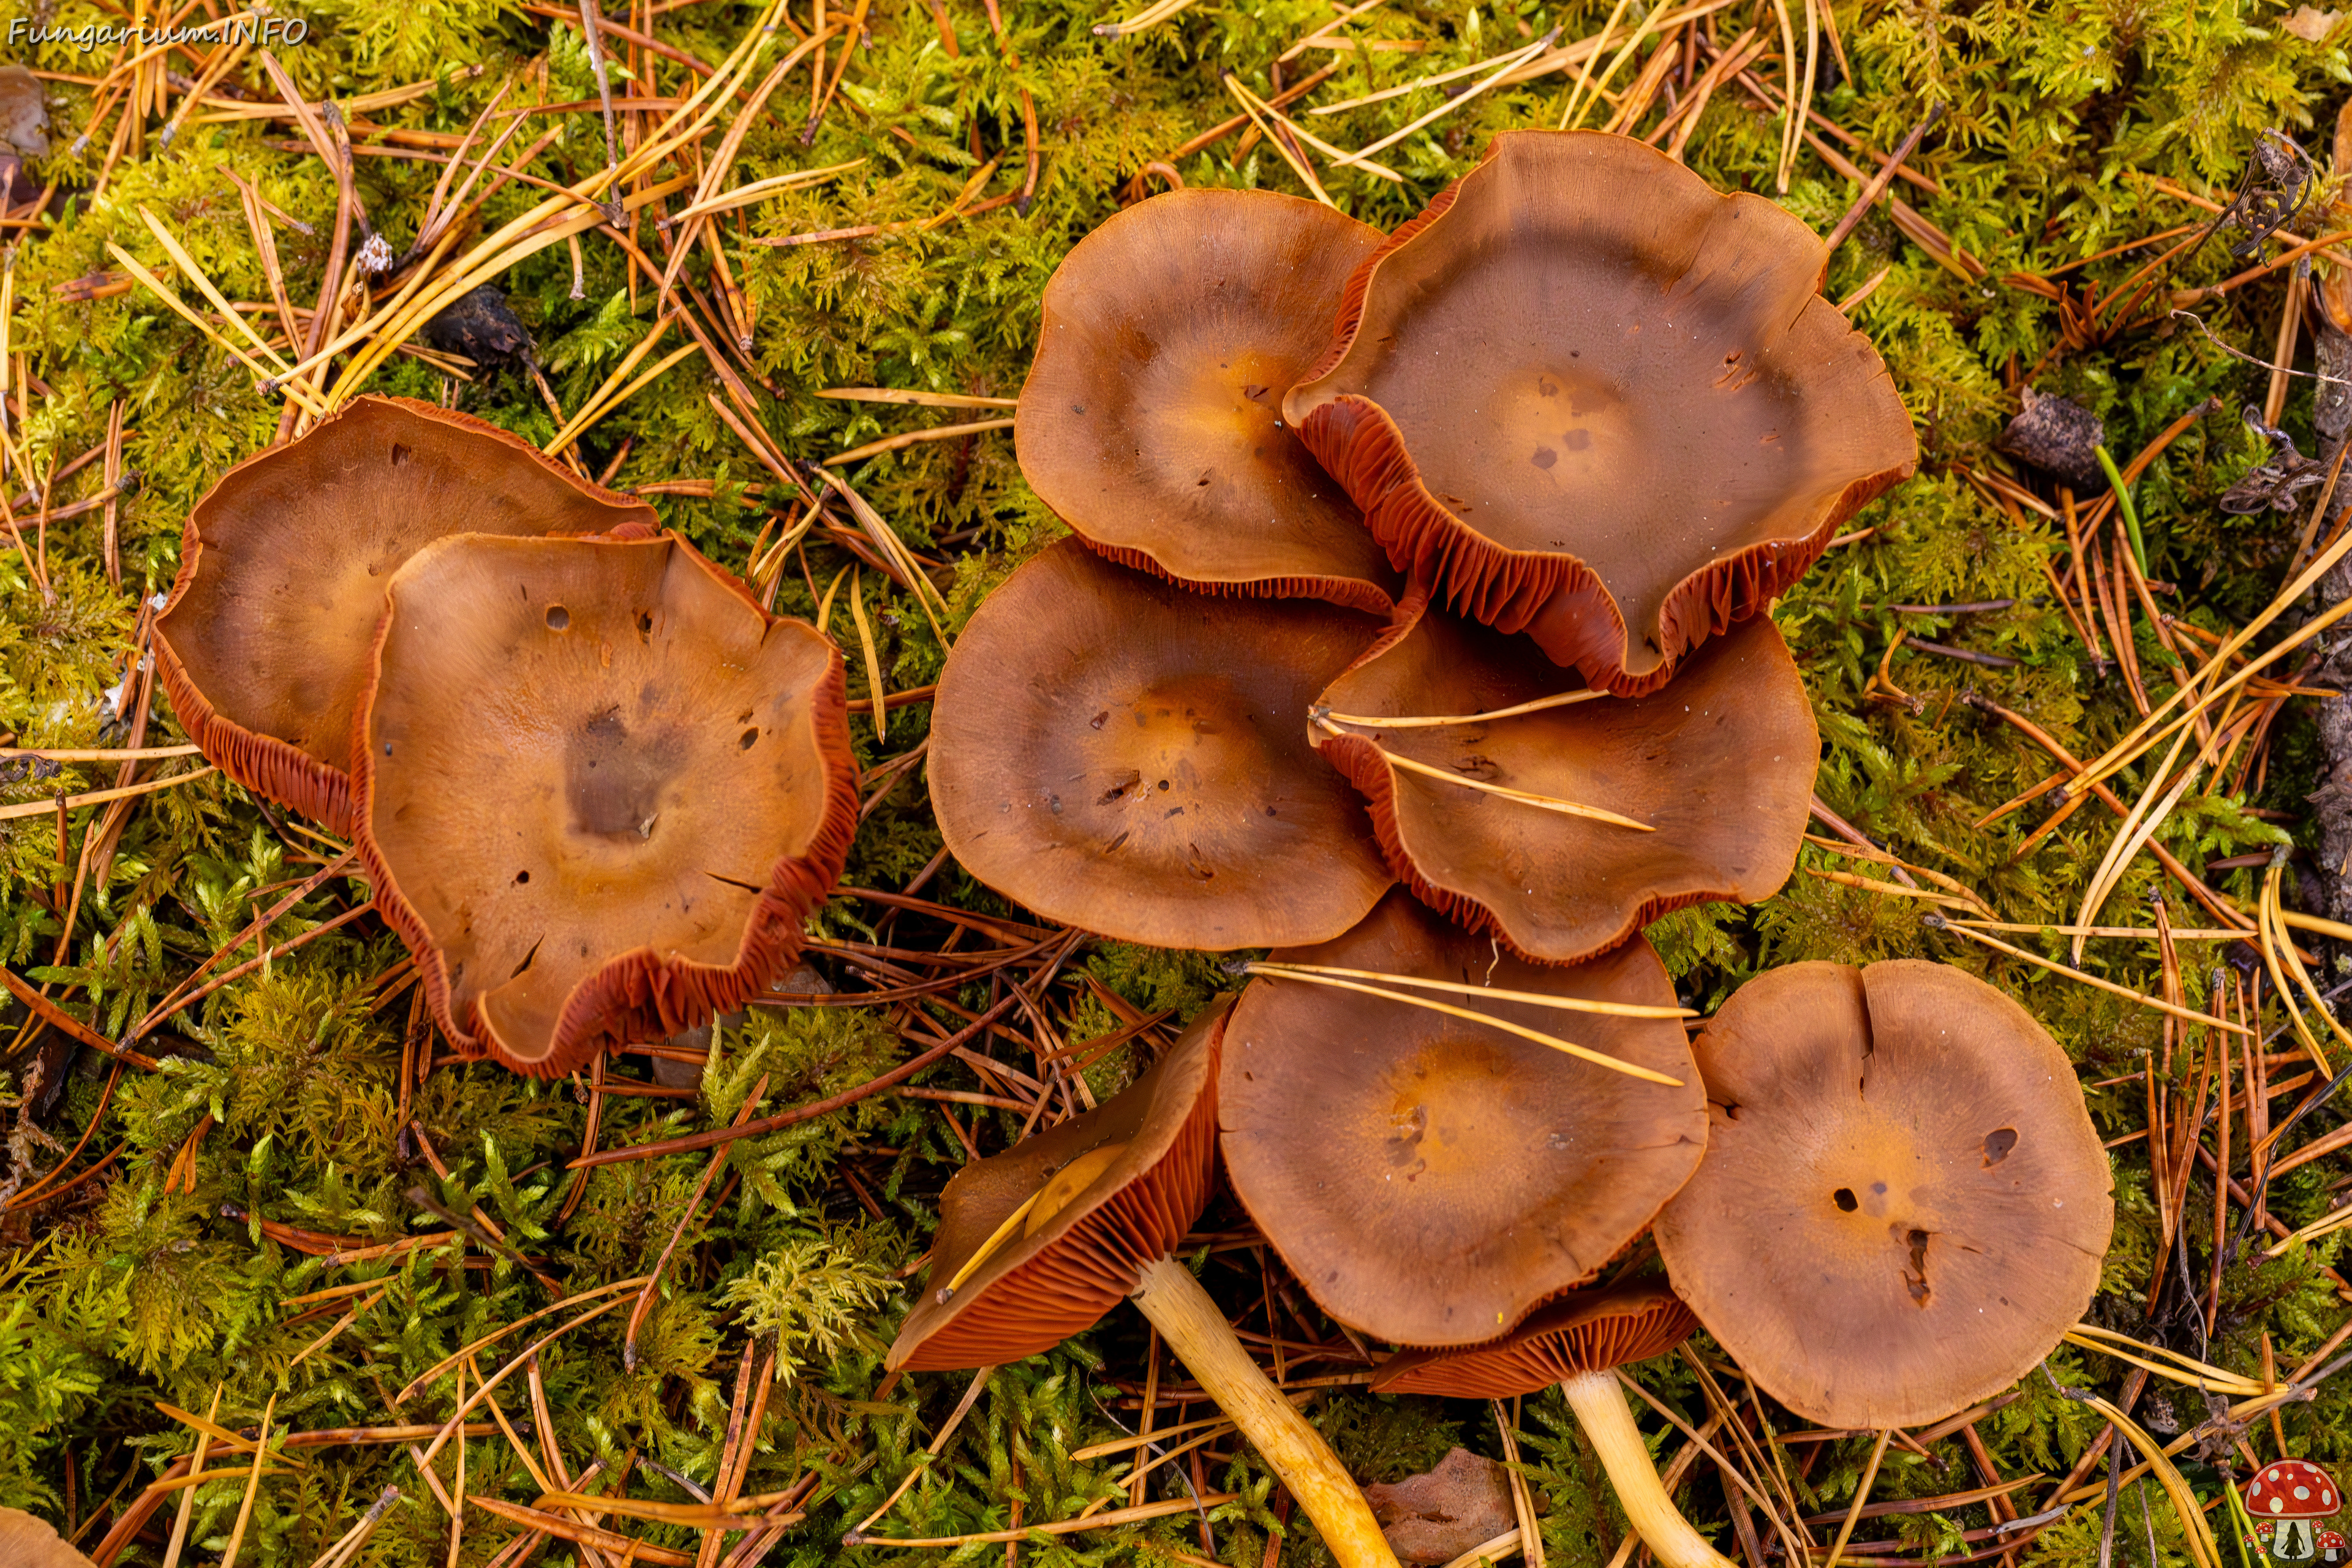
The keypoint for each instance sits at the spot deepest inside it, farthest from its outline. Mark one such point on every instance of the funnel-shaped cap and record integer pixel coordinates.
(1903, 1204)
(1718, 766)
(1151, 420)
(1595, 401)
(266, 638)
(599, 790)
(1431, 1179)
(1122, 755)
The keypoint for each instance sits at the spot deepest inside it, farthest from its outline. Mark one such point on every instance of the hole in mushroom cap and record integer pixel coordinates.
(1974, 1278)
(1996, 1145)
(521, 877)
(1844, 1197)
(399, 453)
(1915, 1277)
(558, 618)
(749, 738)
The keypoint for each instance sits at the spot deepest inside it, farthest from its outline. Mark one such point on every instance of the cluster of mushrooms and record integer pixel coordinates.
(596, 787)
(1350, 509)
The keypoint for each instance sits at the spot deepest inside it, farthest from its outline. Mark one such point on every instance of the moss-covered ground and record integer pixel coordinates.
(170, 1241)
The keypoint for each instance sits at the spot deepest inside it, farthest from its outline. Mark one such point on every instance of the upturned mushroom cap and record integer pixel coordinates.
(1118, 1187)
(1903, 1204)
(1151, 420)
(1429, 1180)
(266, 638)
(1599, 403)
(1584, 1330)
(1118, 754)
(598, 790)
(1720, 764)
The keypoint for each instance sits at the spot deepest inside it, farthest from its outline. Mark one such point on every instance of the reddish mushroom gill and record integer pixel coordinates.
(1573, 408)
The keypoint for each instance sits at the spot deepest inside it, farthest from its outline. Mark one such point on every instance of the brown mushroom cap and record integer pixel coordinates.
(265, 640)
(1584, 1330)
(1431, 1180)
(1040, 1285)
(1903, 1204)
(26, 1541)
(1152, 421)
(25, 115)
(598, 790)
(1119, 754)
(1597, 401)
(1720, 763)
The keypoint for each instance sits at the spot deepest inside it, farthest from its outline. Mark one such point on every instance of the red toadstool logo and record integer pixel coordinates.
(2287, 1501)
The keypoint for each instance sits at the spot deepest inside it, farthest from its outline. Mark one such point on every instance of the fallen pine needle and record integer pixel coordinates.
(2144, 933)
(1432, 722)
(1504, 66)
(98, 753)
(2161, 1362)
(915, 437)
(492, 1338)
(1520, 796)
(1892, 890)
(2324, 1226)
(224, 1441)
(1500, 1547)
(252, 1486)
(1585, 1053)
(631, 1549)
(1117, 1516)
(1461, 988)
(98, 796)
(926, 399)
(1941, 923)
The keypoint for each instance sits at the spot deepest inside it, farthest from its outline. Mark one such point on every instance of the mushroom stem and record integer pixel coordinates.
(1197, 1331)
(1608, 1426)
